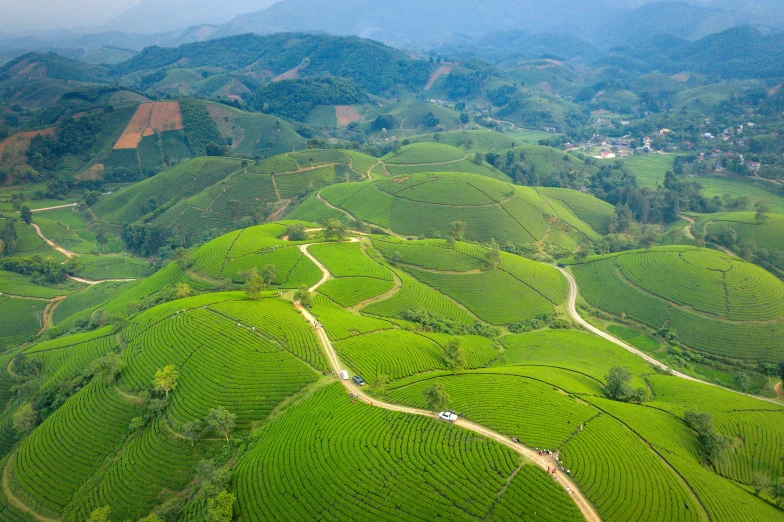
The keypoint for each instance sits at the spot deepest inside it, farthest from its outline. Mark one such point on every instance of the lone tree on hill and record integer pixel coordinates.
(221, 508)
(713, 443)
(254, 284)
(304, 297)
(618, 385)
(269, 274)
(761, 216)
(334, 228)
(165, 379)
(107, 368)
(457, 230)
(493, 256)
(454, 355)
(220, 420)
(296, 232)
(101, 514)
(379, 386)
(192, 431)
(24, 419)
(26, 215)
(396, 257)
(436, 397)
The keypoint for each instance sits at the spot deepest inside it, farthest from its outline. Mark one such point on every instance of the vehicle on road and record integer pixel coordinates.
(358, 380)
(344, 375)
(447, 416)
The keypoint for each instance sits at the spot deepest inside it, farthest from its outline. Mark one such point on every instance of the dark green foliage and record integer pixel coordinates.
(144, 238)
(713, 443)
(296, 98)
(40, 270)
(538, 323)
(74, 136)
(9, 237)
(200, 129)
(433, 323)
(373, 66)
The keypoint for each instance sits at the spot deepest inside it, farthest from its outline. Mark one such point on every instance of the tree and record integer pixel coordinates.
(107, 368)
(379, 386)
(760, 481)
(457, 230)
(101, 238)
(618, 385)
(333, 227)
(304, 297)
(436, 397)
(396, 257)
(778, 492)
(493, 256)
(713, 443)
(24, 419)
(100, 514)
(165, 379)
(296, 232)
(269, 274)
(581, 255)
(192, 431)
(236, 208)
(762, 208)
(221, 508)
(26, 215)
(454, 355)
(220, 420)
(254, 284)
(182, 257)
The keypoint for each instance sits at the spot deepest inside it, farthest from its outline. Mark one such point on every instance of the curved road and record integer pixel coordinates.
(572, 305)
(544, 462)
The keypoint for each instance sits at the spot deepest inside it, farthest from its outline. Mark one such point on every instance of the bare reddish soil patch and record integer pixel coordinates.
(150, 118)
(346, 114)
(444, 70)
(19, 143)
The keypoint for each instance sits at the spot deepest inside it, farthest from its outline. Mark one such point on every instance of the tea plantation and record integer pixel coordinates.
(714, 302)
(213, 373)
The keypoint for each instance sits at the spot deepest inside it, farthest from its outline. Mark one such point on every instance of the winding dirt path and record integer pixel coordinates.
(544, 462)
(70, 205)
(67, 253)
(572, 306)
(688, 227)
(18, 504)
(93, 283)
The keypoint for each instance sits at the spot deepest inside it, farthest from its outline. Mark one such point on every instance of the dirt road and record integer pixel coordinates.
(572, 305)
(65, 252)
(543, 461)
(53, 208)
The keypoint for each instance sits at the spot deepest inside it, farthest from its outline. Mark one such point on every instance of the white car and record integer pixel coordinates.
(344, 375)
(447, 416)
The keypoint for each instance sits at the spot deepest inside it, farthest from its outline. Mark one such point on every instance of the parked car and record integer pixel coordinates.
(447, 416)
(358, 380)
(344, 375)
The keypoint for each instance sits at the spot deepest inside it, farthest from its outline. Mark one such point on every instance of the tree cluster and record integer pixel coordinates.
(294, 99)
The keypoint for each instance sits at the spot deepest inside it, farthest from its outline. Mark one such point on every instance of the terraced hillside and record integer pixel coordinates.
(714, 302)
(426, 204)
(391, 310)
(437, 157)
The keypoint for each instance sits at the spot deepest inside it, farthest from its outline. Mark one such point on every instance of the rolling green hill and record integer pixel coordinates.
(102, 442)
(426, 204)
(713, 302)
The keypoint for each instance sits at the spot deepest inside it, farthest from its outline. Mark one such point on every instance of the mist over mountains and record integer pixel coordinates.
(569, 29)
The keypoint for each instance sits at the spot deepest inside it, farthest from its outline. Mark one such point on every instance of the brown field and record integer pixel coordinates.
(291, 74)
(150, 118)
(14, 148)
(444, 70)
(682, 77)
(346, 114)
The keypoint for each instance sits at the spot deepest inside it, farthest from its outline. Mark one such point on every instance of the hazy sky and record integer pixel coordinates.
(26, 15)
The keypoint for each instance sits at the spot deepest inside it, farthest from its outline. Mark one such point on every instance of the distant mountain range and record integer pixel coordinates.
(568, 28)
